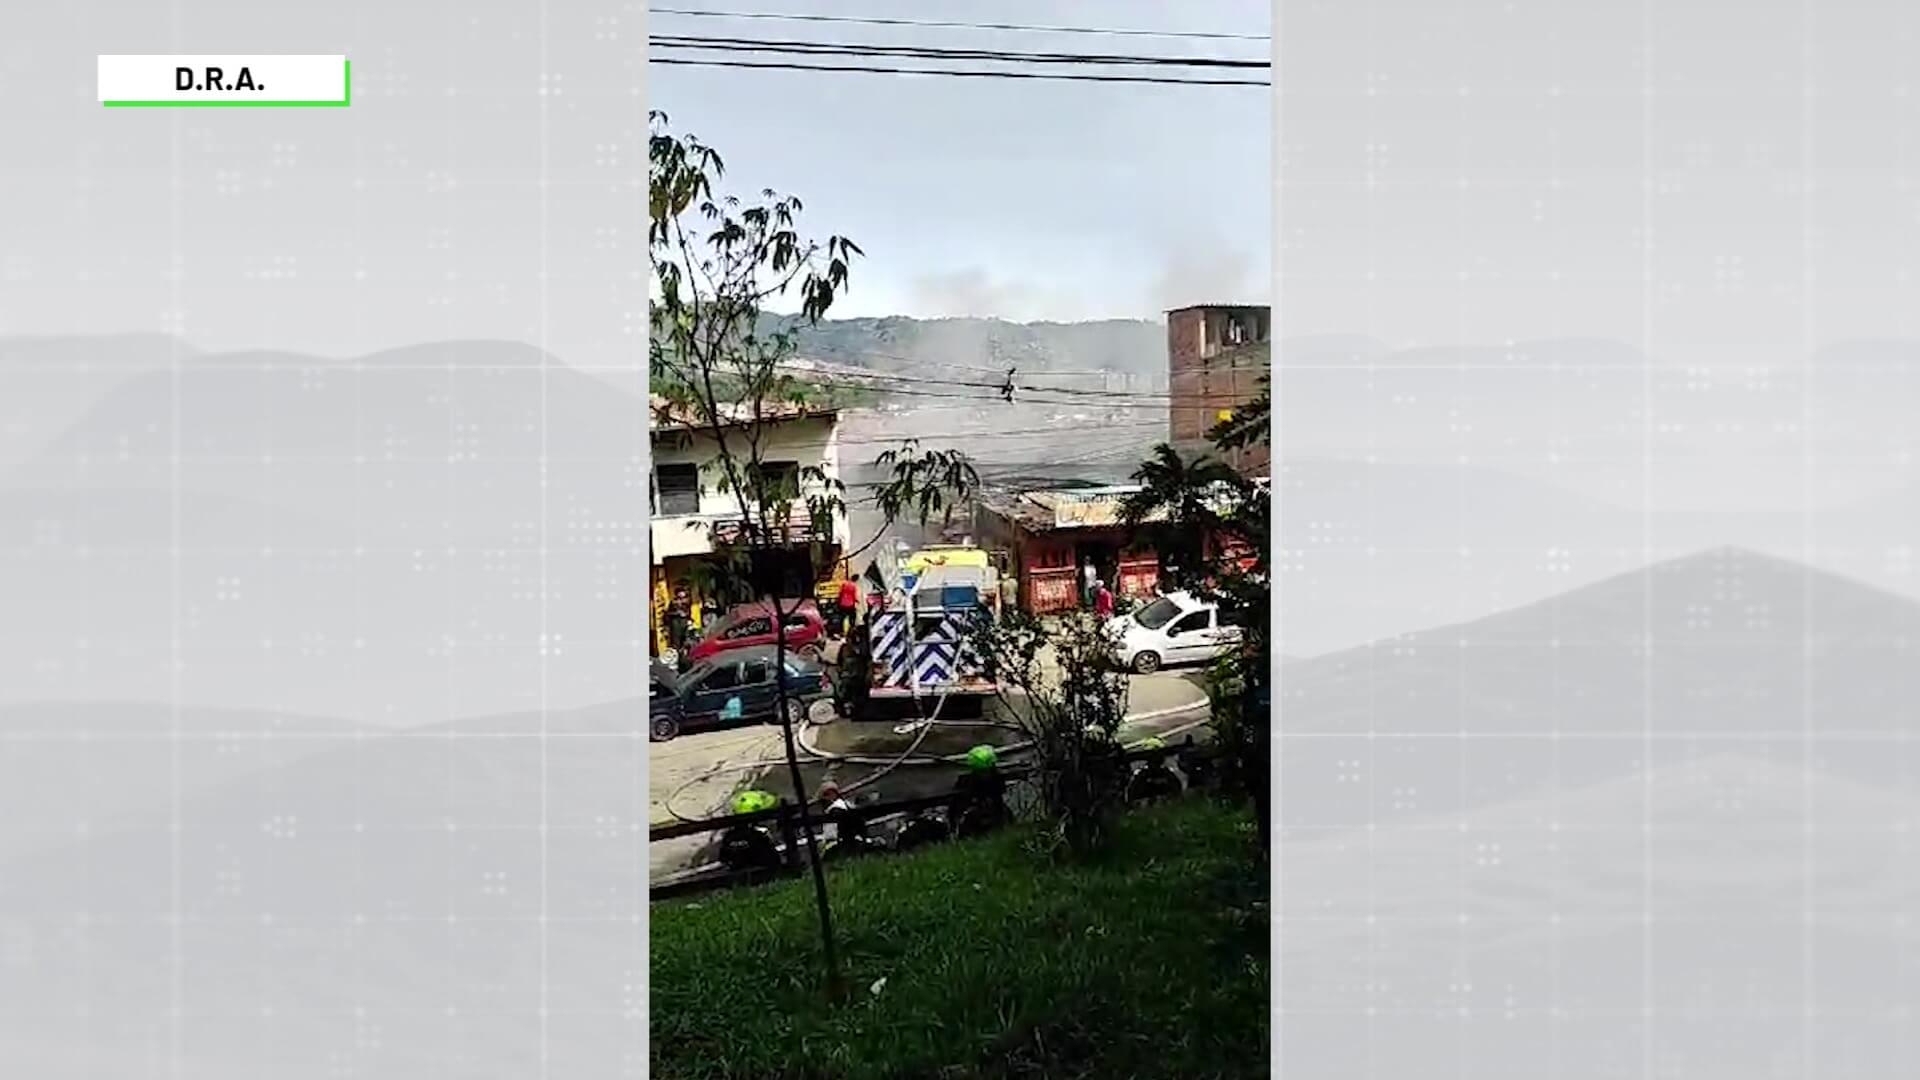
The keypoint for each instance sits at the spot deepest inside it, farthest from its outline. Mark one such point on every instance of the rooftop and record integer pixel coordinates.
(663, 415)
(1220, 307)
(1067, 508)
(1071, 508)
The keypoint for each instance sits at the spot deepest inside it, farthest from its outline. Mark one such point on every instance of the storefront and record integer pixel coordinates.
(1050, 536)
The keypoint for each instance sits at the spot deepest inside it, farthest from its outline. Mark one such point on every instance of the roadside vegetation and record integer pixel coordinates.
(716, 263)
(985, 958)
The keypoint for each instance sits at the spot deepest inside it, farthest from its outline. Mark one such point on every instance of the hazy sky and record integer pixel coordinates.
(1018, 198)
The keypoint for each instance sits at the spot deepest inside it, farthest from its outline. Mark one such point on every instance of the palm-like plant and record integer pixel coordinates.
(1210, 526)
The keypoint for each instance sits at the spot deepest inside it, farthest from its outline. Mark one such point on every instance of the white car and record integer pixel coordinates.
(1174, 629)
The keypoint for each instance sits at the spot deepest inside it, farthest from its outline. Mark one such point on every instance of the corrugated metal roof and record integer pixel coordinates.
(663, 415)
(1221, 307)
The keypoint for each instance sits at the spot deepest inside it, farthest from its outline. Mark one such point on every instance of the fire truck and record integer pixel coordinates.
(919, 639)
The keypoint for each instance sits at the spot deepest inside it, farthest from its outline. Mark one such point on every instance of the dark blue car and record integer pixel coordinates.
(736, 686)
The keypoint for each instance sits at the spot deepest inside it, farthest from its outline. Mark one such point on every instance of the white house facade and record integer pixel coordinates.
(689, 493)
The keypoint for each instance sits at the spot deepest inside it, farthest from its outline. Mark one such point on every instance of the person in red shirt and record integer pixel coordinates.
(848, 605)
(1102, 601)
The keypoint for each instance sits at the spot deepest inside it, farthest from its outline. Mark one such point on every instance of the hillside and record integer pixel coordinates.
(899, 344)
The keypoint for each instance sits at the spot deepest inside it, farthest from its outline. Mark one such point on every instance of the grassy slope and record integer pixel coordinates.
(1150, 963)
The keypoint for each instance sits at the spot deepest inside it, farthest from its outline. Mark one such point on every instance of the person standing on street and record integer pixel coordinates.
(679, 624)
(847, 605)
(1089, 577)
(1102, 601)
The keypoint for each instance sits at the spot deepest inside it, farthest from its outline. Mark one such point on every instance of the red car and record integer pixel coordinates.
(752, 624)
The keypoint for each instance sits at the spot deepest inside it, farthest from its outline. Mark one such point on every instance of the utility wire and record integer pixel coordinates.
(831, 379)
(930, 23)
(997, 400)
(1083, 430)
(1131, 395)
(1001, 370)
(929, 52)
(1056, 76)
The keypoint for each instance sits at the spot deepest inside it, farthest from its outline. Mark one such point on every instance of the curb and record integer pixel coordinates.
(1155, 714)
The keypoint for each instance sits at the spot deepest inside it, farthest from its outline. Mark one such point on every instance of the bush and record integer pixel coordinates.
(1070, 695)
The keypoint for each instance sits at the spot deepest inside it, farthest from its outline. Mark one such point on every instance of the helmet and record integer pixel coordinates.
(982, 758)
(753, 800)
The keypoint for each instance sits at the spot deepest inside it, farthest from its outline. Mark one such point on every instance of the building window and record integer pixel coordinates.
(780, 480)
(679, 489)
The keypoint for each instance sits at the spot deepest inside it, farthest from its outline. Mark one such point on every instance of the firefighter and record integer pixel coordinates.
(1197, 763)
(979, 803)
(750, 846)
(853, 673)
(846, 828)
(926, 827)
(1101, 762)
(1154, 781)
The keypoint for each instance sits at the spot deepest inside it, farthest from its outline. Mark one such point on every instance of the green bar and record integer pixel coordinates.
(344, 101)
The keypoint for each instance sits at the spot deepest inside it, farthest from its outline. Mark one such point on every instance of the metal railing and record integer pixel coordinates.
(786, 819)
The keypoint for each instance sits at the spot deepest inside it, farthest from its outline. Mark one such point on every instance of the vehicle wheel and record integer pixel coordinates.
(798, 710)
(663, 728)
(1146, 661)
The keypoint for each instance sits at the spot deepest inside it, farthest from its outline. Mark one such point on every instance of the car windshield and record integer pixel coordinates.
(1157, 614)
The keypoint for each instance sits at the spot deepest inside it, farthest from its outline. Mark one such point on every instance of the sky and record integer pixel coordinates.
(1021, 199)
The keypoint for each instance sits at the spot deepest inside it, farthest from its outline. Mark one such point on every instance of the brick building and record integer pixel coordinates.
(1048, 535)
(1216, 356)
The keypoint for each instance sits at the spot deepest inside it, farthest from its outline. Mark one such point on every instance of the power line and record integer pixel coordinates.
(928, 52)
(1057, 76)
(1131, 395)
(936, 24)
(1007, 433)
(997, 400)
(1001, 370)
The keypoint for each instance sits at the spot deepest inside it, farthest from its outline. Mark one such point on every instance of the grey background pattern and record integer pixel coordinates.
(1599, 509)
(322, 497)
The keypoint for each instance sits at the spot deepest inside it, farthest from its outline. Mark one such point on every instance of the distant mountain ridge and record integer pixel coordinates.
(895, 343)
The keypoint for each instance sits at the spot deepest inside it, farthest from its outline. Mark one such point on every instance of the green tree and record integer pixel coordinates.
(1212, 528)
(720, 371)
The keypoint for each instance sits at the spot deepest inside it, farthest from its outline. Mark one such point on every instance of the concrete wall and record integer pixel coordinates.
(809, 441)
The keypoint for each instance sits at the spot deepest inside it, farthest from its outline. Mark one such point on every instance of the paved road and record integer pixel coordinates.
(695, 775)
